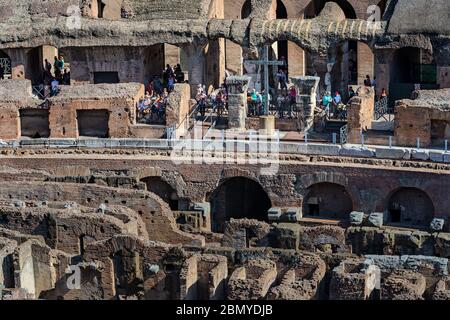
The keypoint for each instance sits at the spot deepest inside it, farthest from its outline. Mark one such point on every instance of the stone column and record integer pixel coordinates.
(366, 62)
(196, 57)
(237, 101)
(306, 99)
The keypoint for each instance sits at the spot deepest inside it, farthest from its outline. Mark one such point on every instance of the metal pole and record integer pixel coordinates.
(390, 142)
(446, 146)
(306, 137)
(418, 143)
(334, 138)
(362, 139)
(266, 79)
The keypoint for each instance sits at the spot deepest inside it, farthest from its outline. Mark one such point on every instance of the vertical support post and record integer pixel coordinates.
(306, 137)
(418, 143)
(446, 146)
(266, 79)
(362, 139)
(390, 142)
(334, 138)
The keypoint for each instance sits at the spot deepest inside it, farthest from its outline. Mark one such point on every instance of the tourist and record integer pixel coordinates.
(292, 100)
(374, 82)
(201, 100)
(179, 74)
(171, 83)
(66, 77)
(281, 103)
(47, 66)
(351, 93)
(253, 103)
(158, 85)
(149, 89)
(281, 76)
(169, 71)
(326, 102)
(220, 102)
(367, 81)
(55, 87)
(337, 98)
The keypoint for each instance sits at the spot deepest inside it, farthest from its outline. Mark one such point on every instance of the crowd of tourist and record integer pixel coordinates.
(216, 100)
(54, 76)
(152, 107)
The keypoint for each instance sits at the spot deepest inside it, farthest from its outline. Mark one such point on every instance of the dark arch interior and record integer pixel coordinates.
(315, 7)
(410, 206)
(246, 9)
(327, 200)
(282, 45)
(403, 65)
(238, 198)
(163, 190)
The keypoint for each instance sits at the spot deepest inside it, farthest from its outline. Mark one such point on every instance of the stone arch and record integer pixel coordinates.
(238, 197)
(409, 206)
(308, 180)
(314, 8)
(5, 64)
(327, 200)
(162, 189)
(246, 9)
(352, 62)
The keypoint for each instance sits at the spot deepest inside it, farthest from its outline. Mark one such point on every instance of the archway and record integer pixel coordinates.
(5, 66)
(316, 6)
(410, 206)
(411, 66)
(238, 198)
(327, 200)
(246, 10)
(163, 190)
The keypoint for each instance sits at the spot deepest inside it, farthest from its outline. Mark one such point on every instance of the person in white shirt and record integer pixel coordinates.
(55, 87)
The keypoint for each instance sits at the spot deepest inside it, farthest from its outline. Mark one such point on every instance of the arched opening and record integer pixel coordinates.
(163, 190)
(315, 7)
(5, 66)
(238, 198)
(246, 10)
(127, 271)
(346, 63)
(409, 67)
(403, 64)
(410, 206)
(327, 200)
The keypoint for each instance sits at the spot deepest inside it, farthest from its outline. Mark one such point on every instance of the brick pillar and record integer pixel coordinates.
(296, 59)
(196, 56)
(306, 99)
(234, 62)
(383, 69)
(366, 62)
(237, 101)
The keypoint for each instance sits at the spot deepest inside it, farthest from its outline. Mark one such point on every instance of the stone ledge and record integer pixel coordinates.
(393, 153)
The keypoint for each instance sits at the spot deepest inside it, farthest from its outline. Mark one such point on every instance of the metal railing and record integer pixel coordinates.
(343, 134)
(382, 109)
(5, 63)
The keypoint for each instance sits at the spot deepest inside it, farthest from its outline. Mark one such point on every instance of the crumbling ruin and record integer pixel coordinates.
(96, 205)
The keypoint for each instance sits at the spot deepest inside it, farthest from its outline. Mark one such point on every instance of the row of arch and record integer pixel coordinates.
(242, 197)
